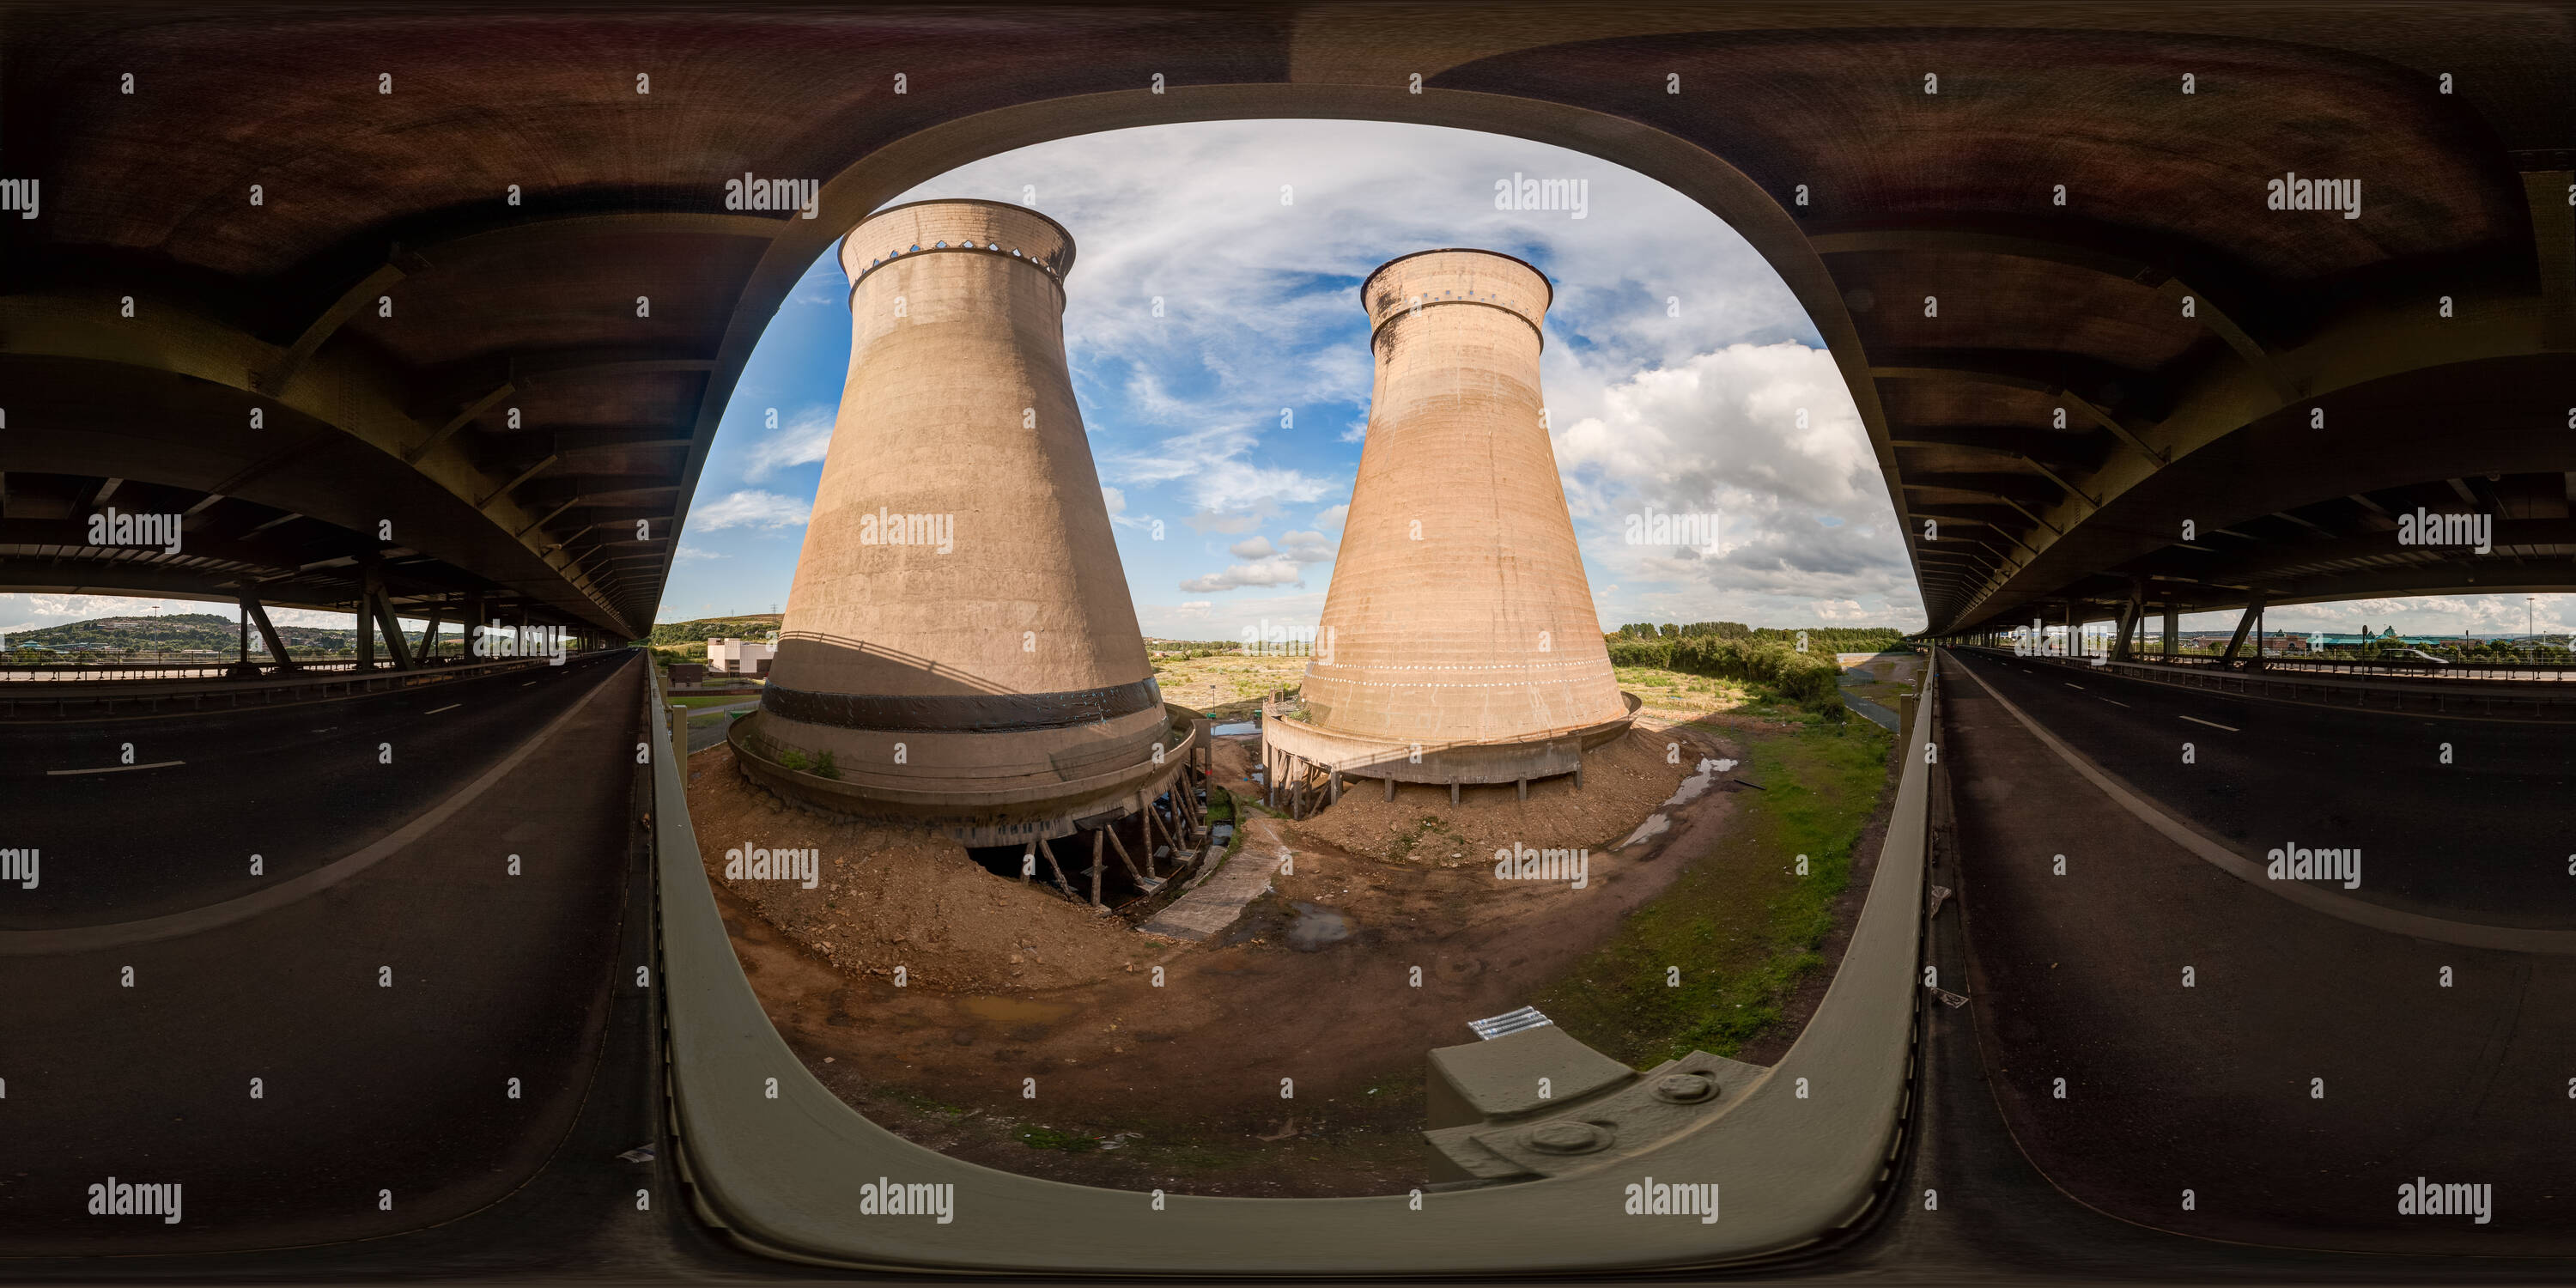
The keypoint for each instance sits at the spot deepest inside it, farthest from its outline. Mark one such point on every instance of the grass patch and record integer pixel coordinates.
(1741, 925)
(1071, 1142)
(712, 699)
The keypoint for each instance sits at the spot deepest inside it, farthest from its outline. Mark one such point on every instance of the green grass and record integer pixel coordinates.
(1049, 1138)
(1741, 925)
(710, 700)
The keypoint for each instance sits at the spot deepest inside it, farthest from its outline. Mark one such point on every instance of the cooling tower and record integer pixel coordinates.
(959, 647)
(1459, 624)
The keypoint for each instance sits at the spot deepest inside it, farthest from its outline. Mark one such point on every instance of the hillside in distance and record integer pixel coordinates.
(172, 632)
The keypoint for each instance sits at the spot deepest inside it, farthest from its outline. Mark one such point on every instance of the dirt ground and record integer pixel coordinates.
(887, 897)
(1067, 1055)
(1622, 783)
(1226, 680)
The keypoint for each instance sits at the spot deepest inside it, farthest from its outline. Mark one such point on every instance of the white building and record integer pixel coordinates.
(739, 657)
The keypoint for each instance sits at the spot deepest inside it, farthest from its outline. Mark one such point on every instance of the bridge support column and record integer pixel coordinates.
(2253, 612)
(366, 633)
(2131, 613)
(381, 606)
(2173, 630)
(257, 615)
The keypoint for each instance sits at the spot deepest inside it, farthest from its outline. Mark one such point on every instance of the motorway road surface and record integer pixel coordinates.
(2485, 838)
(299, 786)
(340, 1067)
(2287, 1068)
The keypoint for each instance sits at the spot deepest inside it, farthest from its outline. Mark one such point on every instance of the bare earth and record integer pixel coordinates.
(1314, 984)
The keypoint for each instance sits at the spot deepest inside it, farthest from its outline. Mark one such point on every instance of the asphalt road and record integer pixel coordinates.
(2286, 1068)
(298, 786)
(2165, 1091)
(2481, 839)
(341, 1067)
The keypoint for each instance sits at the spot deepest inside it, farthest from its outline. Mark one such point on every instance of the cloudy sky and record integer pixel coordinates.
(1675, 367)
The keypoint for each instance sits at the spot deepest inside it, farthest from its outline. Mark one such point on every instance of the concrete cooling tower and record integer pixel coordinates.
(1458, 642)
(959, 648)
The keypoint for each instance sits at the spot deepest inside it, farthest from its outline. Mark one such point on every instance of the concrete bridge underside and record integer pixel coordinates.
(503, 306)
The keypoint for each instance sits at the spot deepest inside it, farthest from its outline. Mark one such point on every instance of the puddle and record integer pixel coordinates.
(1692, 789)
(1005, 1010)
(1315, 926)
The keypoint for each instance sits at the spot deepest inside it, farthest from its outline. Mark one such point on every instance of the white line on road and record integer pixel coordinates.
(529, 685)
(2213, 724)
(114, 769)
(2072, 685)
(2115, 702)
(449, 707)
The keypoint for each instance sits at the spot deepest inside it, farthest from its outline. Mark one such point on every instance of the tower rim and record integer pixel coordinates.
(1544, 282)
(1060, 229)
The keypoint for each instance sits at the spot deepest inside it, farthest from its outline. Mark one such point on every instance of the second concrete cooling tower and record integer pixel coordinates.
(959, 648)
(1458, 641)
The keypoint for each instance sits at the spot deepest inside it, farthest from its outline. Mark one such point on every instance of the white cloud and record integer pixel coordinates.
(751, 509)
(1306, 547)
(689, 552)
(1256, 547)
(1332, 517)
(1194, 608)
(802, 440)
(1271, 572)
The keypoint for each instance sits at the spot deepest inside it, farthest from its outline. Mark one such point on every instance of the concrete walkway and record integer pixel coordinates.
(1219, 898)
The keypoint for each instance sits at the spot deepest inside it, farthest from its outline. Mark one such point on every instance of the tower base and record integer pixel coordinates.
(975, 813)
(1543, 756)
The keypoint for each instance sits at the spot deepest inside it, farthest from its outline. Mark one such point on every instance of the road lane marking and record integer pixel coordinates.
(82, 939)
(2213, 724)
(529, 685)
(2184, 833)
(2115, 702)
(114, 769)
(449, 707)
(2072, 685)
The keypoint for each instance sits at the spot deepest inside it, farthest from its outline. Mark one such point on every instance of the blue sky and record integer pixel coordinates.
(1675, 366)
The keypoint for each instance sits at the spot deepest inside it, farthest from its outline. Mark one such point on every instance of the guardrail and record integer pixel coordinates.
(19, 670)
(2409, 667)
(95, 700)
(1803, 1155)
(2500, 698)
